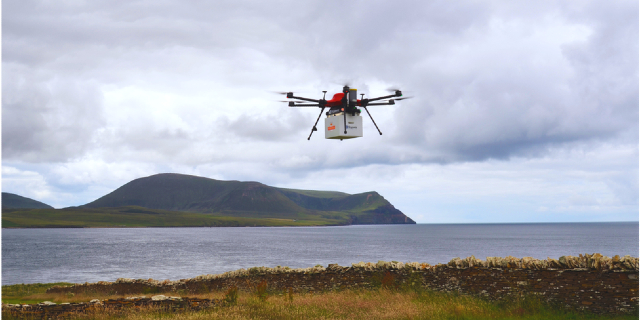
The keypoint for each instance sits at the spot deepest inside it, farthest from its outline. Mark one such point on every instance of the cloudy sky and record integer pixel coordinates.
(522, 111)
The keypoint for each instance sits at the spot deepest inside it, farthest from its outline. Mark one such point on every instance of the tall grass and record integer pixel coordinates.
(393, 303)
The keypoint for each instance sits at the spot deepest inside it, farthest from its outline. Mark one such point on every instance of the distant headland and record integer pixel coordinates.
(178, 200)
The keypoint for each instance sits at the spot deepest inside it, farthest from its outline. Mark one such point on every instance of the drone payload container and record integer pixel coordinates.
(334, 126)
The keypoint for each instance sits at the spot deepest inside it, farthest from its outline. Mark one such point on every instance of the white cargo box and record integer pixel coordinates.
(334, 126)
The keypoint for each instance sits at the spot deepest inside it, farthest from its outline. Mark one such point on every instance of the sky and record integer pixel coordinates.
(522, 111)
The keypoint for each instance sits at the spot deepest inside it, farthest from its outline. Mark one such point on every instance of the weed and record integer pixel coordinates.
(389, 281)
(413, 283)
(261, 291)
(231, 295)
(180, 292)
(150, 290)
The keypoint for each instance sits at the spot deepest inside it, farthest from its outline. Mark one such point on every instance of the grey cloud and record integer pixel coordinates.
(518, 108)
(50, 119)
(283, 127)
(469, 105)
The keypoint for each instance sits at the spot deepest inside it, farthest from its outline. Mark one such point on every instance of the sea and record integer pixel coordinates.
(91, 255)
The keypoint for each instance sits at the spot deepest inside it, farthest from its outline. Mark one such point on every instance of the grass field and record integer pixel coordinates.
(346, 304)
(27, 293)
(143, 217)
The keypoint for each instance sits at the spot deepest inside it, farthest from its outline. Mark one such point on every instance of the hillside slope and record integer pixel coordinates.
(14, 201)
(177, 192)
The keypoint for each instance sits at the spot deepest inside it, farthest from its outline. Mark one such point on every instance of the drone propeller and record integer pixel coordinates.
(403, 98)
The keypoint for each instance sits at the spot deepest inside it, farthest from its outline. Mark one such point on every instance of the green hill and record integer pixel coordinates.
(173, 200)
(14, 201)
(178, 192)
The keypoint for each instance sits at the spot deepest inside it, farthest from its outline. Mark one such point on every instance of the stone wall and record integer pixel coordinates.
(589, 282)
(48, 310)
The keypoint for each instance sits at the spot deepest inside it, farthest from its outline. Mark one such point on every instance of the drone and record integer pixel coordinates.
(343, 119)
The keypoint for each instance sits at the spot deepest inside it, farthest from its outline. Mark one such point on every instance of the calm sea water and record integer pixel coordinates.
(90, 255)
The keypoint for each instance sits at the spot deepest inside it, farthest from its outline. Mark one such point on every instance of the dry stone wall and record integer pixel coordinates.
(588, 282)
(49, 310)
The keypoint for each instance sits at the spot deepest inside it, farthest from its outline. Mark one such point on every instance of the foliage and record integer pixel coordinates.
(388, 281)
(261, 291)
(413, 283)
(231, 295)
(290, 294)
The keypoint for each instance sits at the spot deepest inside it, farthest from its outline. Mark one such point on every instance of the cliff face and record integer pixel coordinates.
(178, 192)
(386, 214)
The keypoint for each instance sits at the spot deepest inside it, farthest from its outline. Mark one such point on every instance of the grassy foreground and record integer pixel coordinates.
(345, 304)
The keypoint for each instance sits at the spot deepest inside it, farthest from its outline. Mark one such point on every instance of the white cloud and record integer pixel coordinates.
(26, 183)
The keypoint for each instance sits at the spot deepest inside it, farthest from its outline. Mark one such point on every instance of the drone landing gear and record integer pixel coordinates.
(374, 123)
(345, 122)
(314, 126)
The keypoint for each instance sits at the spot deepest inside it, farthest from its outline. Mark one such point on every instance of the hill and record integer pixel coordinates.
(186, 193)
(14, 201)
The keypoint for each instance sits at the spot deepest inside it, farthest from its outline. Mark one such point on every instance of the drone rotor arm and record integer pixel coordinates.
(388, 103)
(291, 104)
(384, 97)
(304, 99)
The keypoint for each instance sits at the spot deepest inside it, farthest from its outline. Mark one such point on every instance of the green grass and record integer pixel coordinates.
(134, 216)
(346, 304)
(23, 293)
(318, 194)
(143, 217)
